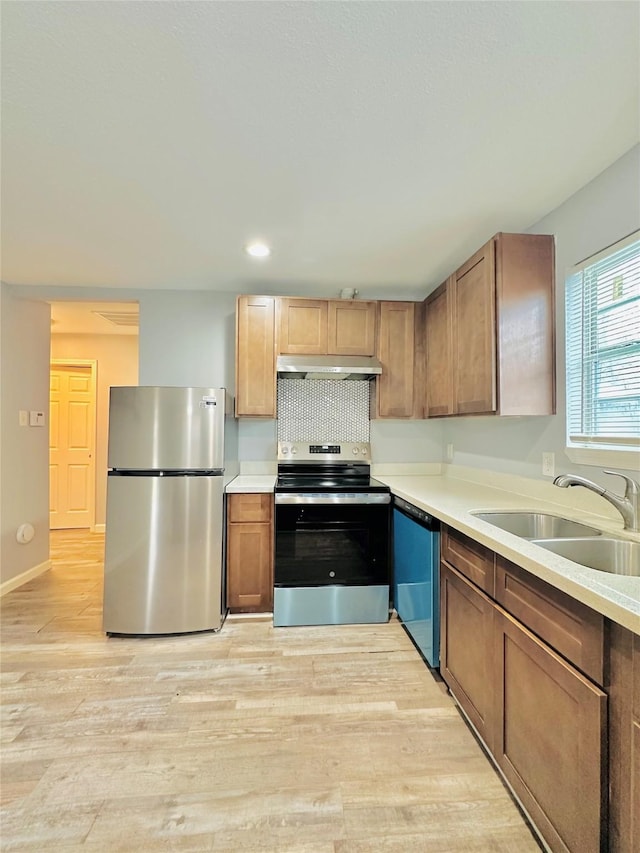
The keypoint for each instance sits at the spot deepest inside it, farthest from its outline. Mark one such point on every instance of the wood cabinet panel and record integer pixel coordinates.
(395, 392)
(249, 553)
(572, 628)
(351, 327)
(474, 342)
(550, 744)
(250, 507)
(525, 298)
(303, 326)
(466, 650)
(470, 558)
(624, 739)
(255, 357)
(438, 351)
(634, 829)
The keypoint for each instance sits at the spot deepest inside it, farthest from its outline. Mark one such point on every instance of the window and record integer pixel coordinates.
(603, 349)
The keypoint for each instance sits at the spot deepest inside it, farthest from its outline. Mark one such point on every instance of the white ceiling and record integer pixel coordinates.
(374, 144)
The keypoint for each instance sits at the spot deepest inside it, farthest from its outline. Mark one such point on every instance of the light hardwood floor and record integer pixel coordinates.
(313, 740)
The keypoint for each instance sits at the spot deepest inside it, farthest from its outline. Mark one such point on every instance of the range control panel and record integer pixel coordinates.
(301, 451)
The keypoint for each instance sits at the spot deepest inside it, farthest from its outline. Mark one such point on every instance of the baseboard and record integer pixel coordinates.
(98, 528)
(30, 574)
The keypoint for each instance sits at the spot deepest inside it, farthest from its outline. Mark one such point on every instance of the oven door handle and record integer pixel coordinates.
(329, 498)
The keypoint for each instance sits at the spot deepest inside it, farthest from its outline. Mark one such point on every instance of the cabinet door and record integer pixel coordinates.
(303, 326)
(396, 351)
(474, 339)
(249, 568)
(549, 743)
(439, 368)
(255, 357)
(467, 650)
(352, 327)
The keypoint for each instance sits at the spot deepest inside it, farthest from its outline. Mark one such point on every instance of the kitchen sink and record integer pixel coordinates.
(618, 556)
(537, 525)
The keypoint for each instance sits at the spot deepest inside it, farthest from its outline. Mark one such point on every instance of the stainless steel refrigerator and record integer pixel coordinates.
(165, 506)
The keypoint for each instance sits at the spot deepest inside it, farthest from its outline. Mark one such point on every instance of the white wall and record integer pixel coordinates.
(602, 212)
(117, 364)
(24, 454)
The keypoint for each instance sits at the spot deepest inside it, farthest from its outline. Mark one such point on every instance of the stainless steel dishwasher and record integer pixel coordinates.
(416, 576)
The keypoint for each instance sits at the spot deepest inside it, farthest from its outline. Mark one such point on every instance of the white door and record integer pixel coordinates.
(71, 440)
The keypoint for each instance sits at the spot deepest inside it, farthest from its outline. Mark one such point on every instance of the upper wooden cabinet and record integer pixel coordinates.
(491, 332)
(351, 327)
(474, 338)
(326, 327)
(438, 351)
(302, 326)
(255, 357)
(395, 389)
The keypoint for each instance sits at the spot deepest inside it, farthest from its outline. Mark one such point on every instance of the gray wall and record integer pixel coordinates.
(187, 338)
(24, 453)
(602, 212)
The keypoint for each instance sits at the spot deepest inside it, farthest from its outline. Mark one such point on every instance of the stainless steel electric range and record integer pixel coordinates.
(332, 536)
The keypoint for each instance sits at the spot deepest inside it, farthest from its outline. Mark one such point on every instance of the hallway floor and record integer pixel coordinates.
(305, 740)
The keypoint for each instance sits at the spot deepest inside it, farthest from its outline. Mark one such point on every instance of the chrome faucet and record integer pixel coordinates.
(628, 506)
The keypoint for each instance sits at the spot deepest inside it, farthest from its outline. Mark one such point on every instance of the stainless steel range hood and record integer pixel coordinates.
(327, 367)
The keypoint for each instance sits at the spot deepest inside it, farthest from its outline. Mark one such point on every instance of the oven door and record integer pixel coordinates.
(323, 539)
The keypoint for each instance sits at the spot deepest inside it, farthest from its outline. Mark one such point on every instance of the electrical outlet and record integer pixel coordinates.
(548, 464)
(449, 452)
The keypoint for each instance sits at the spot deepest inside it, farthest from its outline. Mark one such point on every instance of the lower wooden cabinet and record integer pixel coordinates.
(544, 721)
(250, 553)
(549, 743)
(623, 687)
(467, 665)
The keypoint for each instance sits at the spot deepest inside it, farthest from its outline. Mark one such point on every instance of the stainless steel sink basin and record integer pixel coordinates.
(537, 525)
(618, 556)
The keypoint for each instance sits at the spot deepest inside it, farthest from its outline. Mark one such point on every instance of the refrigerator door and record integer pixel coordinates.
(163, 560)
(156, 428)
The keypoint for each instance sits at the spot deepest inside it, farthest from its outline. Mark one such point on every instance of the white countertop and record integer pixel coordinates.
(452, 500)
(251, 484)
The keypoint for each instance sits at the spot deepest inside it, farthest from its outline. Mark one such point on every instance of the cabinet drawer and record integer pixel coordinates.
(470, 558)
(250, 507)
(570, 627)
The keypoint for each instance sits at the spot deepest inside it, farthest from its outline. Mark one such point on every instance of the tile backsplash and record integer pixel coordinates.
(323, 410)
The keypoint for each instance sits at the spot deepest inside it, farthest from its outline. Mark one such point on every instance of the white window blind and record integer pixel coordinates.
(603, 347)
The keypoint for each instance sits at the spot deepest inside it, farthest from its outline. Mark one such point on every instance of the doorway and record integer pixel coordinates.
(104, 334)
(72, 441)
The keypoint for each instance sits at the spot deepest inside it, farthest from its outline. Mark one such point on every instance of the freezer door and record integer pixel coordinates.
(160, 428)
(163, 562)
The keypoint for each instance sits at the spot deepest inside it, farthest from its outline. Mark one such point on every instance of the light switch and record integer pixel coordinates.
(36, 419)
(23, 417)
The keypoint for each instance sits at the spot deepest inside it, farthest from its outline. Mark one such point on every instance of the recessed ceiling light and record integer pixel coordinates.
(258, 250)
